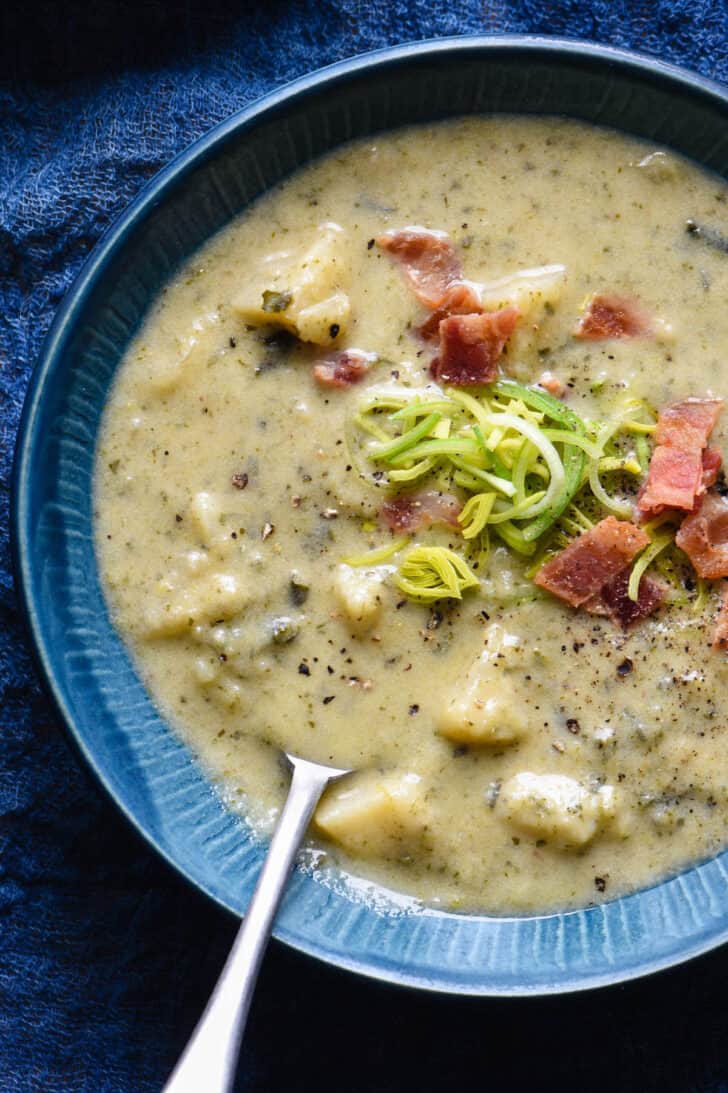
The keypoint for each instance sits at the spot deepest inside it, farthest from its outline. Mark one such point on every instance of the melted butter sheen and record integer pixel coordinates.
(603, 765)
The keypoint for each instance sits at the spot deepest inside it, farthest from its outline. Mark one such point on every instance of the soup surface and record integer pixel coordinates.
(514, 752)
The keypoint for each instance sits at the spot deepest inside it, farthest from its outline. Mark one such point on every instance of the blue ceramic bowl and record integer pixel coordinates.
(147, 771)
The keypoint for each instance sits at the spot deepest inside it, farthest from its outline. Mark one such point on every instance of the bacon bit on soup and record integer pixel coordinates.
(703, 536)
(712, 462)
(673, 481)
(614, 600)
(688, 422)
(419, 509)
(471, 345)
(343, 369)
(579, 572)
(428, 260)
(613, 316)
(551, 383)
(680, 471)
(462, 298)
(720, 633)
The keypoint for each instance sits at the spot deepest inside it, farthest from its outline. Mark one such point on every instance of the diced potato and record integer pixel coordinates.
(179, 609)
(315, 323)
(485, 708)
(205, 513)
(536, 293)
(374, 815)
(194, 350)
(305, 295)
(359, 592)
(220, 596)
(556, 808)
(212, 517)
(486, 712)
(531, 290)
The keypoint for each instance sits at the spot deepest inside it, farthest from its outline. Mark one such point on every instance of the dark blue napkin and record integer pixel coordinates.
(106, 957)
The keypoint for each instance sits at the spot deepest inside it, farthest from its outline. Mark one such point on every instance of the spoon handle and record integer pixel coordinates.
(209, 1060)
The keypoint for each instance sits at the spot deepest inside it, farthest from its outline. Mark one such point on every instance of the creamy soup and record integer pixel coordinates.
(291, 569)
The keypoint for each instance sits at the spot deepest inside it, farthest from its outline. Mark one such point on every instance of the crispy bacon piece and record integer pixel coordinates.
(421, 508)
(579, 572)
(470, 341)
(471, 345)
(613, 316)
(703, 535)
(428, 260)
(680, 471)
(720, 632)
(462, 298)
(688, 423)
(434, 273)
(672, 482)
(613, 599)
(343, 369)
(712, 462)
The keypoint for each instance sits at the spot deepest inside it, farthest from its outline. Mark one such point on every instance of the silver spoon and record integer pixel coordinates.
(209, 1061)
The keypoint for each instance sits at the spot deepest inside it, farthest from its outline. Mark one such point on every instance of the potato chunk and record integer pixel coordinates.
(485, 708)
(486, 711)
(374, 815)
(359, 592)
(305, 295)
(179, 609)
(536, 293)
(555, 807)
(531, 290)
(194, 350)
(206, 516)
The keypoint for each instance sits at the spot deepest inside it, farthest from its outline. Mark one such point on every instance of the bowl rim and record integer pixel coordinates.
(92, 271)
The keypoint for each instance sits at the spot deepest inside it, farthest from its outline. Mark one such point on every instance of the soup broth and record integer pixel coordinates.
(513, 753)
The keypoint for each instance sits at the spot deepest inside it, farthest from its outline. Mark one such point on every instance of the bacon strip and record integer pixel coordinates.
(461, 298)
(421, 508)
(471, 345)
(703, 535)
(688, 422)
(672, 482)
(613, 316)
(428, 260)
(471, 341)
(613, 599)
(680, 471)
(434, 273)
(720, 632)
(579, 572)
(712, 462)
(343, 369)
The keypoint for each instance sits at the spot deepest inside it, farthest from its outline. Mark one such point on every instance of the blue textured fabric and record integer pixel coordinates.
(106, 957)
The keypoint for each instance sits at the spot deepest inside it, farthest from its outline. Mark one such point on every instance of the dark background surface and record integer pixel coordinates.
(106, 957)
